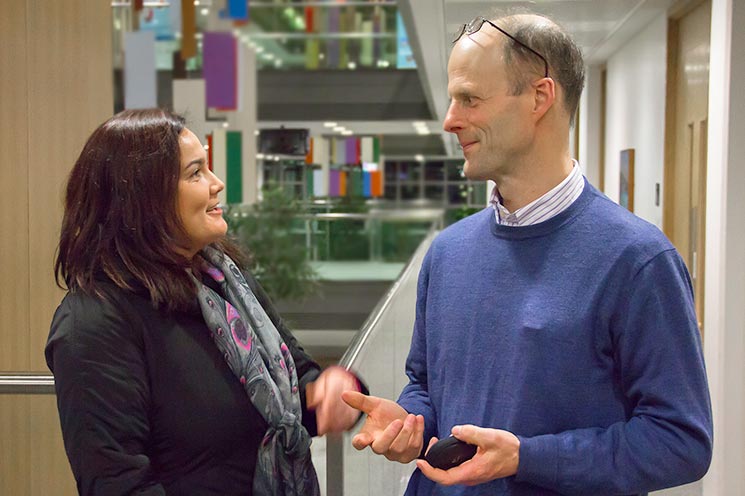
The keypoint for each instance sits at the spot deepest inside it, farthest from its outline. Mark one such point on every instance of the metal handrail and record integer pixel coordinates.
(435, 215)
(349, 357)
(26, 383)
(334, 442)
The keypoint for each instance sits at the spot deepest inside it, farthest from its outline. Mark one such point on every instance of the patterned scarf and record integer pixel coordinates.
(254, 350)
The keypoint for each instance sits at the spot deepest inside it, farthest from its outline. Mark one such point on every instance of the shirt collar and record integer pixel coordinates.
(543, 208)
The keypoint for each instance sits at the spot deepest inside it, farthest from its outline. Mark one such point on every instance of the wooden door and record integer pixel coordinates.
(684, 217)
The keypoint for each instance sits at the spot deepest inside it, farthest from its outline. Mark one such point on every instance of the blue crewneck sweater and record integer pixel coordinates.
(579, 336)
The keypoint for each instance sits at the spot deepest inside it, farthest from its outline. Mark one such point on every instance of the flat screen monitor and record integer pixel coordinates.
(284, 141)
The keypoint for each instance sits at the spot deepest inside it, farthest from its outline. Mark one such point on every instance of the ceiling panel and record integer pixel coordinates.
(599, 27)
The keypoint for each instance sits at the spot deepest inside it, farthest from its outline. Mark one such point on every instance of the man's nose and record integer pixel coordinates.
(452, 122)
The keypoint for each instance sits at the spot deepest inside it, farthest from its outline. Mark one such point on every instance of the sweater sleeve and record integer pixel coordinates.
(667, 439)
(307, 369)
(102, 396)
(415, 396)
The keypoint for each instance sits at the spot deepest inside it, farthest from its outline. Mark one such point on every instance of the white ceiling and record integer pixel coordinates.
(599, 27)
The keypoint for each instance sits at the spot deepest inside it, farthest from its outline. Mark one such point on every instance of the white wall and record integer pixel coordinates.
(724, 315)
(635, 115)
(590, 115)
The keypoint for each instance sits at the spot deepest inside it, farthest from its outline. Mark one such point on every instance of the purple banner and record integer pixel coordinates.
(351, 146)
(333, 182)
(220, 68)
(332, 46)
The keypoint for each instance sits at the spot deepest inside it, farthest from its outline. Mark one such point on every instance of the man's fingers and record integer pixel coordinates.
(455, 475)
(468, 433)
(360, 401)
(361, 441)
(402, 443)
(419, 431)
(432, 441)
(382, 442)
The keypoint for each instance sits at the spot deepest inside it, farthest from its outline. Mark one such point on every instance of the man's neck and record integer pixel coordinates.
(531, 180)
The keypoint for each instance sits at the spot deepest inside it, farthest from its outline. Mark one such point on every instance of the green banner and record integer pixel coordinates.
(234, 173)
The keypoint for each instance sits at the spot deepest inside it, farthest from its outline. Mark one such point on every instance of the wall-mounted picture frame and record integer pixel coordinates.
(626, 179)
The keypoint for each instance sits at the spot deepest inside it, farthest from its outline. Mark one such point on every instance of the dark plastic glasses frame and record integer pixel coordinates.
(475, 25)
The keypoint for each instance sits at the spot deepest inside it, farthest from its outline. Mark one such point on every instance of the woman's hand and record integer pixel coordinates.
(324, 396)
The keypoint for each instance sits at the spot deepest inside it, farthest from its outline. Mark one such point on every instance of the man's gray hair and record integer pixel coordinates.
(565, 63)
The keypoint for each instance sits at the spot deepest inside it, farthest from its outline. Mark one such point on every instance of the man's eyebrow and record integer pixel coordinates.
(461, 93)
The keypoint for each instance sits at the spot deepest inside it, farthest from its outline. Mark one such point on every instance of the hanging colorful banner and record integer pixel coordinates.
(309, 19)
(334, 182)
(332, 45)
(351, 151)
(321, 151)
(139, 70)
(320, 183)
(220, 69)
(366, 184)
(188, 100)
(376, 183)
(238, 10)
(367, 150)
(354, 182)
(188, 30)
(219, 149)
(342, 183)
(234, 166)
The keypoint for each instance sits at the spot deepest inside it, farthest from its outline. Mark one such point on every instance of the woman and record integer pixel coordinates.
(174, 373)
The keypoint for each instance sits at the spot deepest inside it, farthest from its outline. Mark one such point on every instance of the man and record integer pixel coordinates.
(555, 331)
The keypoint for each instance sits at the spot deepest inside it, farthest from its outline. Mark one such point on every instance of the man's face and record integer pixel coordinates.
(491, 124)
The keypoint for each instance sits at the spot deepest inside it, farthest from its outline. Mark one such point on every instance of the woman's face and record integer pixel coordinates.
(197, 203)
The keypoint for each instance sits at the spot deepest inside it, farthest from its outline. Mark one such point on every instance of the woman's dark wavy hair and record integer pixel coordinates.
(121, 221)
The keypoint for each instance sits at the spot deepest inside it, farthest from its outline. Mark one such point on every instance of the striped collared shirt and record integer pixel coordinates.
(552, 203)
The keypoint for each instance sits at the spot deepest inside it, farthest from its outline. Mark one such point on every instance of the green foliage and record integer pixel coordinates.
(349, 239)
(453, 215)
(270, 232)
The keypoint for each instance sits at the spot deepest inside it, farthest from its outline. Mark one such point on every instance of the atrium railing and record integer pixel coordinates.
(378, 353)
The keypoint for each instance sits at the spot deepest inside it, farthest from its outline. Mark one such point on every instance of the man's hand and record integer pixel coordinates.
(389, 430)
(324, 396)
(498, 456)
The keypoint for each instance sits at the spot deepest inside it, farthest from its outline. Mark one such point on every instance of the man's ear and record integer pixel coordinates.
(544, 91)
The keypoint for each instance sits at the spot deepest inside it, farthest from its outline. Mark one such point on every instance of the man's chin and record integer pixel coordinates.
(471, 172)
